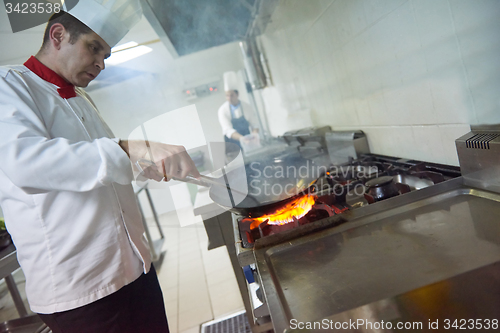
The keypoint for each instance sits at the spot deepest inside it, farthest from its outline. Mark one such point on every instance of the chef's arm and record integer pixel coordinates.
(38, 163)
(170, 160)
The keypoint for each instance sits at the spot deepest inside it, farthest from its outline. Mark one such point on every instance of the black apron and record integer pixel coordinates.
(240, 125)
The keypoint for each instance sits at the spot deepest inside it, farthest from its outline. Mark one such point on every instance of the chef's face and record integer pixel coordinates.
(81, 62)
(232, 97)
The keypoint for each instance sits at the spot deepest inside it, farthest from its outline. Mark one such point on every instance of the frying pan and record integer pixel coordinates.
(271, 183)
(260, 187)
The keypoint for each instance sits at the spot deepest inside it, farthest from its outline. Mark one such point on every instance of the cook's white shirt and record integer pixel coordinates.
(224, 115)
(66, 195)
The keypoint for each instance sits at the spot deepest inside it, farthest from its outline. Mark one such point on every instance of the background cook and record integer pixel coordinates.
(236, 117)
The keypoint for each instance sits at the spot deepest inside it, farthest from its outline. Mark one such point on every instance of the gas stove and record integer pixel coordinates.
(366, 180)
(385, 240)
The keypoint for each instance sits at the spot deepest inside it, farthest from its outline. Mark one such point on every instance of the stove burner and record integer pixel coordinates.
(321, 209)
(381, 188)
(370, 179)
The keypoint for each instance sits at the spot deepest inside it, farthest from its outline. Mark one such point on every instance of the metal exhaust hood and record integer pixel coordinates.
(188, 26)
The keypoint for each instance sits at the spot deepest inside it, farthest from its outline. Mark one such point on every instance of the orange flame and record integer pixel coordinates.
(297, 208)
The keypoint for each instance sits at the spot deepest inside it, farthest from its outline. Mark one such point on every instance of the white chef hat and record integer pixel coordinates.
(230, 81)
(110, 19)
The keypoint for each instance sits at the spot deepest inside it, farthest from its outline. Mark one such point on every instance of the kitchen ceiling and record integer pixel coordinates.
(192, 25)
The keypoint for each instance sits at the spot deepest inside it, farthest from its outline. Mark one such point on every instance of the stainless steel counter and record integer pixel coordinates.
(27, 323)
(428, 255)
(8, 261)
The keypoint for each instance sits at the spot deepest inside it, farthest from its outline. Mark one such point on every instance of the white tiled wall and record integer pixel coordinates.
(413, 74)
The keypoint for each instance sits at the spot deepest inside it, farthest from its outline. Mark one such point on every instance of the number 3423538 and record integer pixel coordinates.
(33, 8)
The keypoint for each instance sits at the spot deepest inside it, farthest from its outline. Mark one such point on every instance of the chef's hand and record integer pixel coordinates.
(169, 160)
(236, 136)
(250, 137)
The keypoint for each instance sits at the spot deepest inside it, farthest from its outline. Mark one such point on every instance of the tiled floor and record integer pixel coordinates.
(198, 285)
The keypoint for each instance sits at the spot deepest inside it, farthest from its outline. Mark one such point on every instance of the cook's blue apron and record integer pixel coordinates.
(240, 125)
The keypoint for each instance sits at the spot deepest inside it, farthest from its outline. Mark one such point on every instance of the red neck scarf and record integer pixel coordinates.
(65, 90)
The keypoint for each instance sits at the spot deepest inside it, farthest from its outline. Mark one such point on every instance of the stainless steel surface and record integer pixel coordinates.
(382, 188)
(190, 26)
(212, 181)
(261, 178)
(8, 264)
(479, 156)
(343, 146)
(8, 261)
(214, 233)
(259, 309)
(440, 303)
(155, 246)
(30, 324)
(386, 249)
(43, 329)
(415, 183)
(272, 148)
(16, 296)
(245, 256)
(262, 10)
(227, 233)
(253, 65)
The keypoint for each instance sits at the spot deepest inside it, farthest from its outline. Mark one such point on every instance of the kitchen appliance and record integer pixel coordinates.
(479, 155)
(338, 146)
(389, 239)
(310, 142)
(367, 180)
(384, 238)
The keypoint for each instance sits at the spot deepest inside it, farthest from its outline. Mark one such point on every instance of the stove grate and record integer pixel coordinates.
(237, 323)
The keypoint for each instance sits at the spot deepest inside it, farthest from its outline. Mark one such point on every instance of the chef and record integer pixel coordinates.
(235, 116)
(65, 182)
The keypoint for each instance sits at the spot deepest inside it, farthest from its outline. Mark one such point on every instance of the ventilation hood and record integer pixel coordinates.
(188, 26)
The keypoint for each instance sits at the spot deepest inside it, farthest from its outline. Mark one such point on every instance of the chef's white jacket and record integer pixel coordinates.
(66, 195)
(224, 114)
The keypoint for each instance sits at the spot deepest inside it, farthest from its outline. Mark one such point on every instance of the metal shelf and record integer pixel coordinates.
(155, 246)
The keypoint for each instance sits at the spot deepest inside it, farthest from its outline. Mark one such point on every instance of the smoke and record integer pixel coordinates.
(194, 25)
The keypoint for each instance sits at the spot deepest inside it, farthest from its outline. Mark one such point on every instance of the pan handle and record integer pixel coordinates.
(143, 163)
(205, 181)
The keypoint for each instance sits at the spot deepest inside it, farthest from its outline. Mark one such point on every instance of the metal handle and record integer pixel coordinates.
(205, 181)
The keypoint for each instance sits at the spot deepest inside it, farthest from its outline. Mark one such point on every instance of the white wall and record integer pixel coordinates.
(411, 73)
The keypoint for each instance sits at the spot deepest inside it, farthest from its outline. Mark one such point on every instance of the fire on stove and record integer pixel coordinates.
(303, 210)
(288, 213)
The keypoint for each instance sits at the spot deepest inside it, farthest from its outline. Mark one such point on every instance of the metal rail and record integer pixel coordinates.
(154, 245)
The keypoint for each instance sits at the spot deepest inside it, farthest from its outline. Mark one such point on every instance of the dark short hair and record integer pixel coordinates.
(70, 23)
(236, 91)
